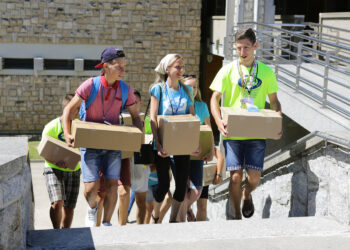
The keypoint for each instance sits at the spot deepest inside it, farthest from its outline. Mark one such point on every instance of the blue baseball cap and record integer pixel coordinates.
(109, 54)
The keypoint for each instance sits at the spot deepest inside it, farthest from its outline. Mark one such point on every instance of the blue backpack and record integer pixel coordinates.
(95, 87)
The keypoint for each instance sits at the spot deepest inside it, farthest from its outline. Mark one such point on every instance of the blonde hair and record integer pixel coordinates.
(198, 97)
(161, 78)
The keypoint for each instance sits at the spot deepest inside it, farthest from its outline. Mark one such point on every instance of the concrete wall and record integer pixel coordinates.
(147, 30)
(16, 196)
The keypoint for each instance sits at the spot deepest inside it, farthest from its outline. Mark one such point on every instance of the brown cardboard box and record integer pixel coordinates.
(128, 122)
(54, 150)
(209, 172)
(103, 136)
(179, 134)
(127, 118)
(241, 123)
(205, 141)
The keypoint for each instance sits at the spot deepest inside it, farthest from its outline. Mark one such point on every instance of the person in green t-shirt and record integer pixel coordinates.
(244, 82)
(62, 183)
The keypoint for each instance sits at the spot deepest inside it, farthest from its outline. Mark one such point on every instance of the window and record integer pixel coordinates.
(18, 63)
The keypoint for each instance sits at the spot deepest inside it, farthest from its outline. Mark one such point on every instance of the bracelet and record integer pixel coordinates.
(219, 175)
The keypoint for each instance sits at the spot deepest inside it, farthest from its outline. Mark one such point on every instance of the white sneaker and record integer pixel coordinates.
(106, 224)
(91, 216)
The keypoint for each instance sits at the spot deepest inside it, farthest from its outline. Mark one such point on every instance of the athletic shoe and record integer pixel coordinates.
(91, 217)
(106, 224)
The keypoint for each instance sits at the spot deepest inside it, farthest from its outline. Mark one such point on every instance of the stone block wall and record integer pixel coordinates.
(147, 30)
(16, 196)
(316, 184)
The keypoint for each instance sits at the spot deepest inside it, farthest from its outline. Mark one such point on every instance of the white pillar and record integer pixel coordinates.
(229, 16)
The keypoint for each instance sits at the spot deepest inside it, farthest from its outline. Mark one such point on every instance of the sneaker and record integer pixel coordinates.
(91, 217)
(106, 224)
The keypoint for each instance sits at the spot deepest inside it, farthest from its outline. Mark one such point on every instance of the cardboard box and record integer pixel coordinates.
(241, 123)
(128, 122)
(179, 134)
(209, 172)
(103, 136)
(205, 141)
(54, 150)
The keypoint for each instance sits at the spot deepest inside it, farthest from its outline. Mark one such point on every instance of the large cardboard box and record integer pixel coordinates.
(128, 122)
(179, 134)
(205, 141)
(241, 123)
(103, 136)
(209, 172)
(54, 150)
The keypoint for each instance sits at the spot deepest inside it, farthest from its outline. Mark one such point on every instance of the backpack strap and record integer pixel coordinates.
(125, 93)
(96, 81)
(94, 91)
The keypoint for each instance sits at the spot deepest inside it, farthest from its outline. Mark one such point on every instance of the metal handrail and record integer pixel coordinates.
(279, 46)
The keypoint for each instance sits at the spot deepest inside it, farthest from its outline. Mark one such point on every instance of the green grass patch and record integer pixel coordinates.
(33, 153)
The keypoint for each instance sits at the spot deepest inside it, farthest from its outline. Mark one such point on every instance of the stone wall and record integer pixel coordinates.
(315, 182)
(147, 30)
(16, 196)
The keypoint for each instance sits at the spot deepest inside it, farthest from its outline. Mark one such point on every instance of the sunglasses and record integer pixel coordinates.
(185, 76)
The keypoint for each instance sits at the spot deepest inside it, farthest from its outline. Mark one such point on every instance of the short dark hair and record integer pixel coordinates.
(245, 33)
(137, 93)
(66, 99)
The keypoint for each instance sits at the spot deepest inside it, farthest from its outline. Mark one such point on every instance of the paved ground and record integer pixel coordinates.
(42, 202)
(309, 233)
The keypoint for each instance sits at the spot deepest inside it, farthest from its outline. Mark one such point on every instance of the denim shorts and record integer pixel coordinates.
(243, 154)
(196, 174)
(92, 160)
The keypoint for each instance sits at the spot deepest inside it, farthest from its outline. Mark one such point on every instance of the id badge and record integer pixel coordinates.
(245, 101)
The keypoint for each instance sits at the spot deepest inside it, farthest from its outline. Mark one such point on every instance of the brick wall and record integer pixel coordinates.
(147, 30)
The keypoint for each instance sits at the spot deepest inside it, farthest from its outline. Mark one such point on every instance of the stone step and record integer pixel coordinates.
(263, 234)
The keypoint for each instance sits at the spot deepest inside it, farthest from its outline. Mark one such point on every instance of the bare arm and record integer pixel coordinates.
(67, 117)
(219, 166)
(215, 111)
(209, 156)
(154, 125)
(191, 109)
(136, 120)
(276, 105)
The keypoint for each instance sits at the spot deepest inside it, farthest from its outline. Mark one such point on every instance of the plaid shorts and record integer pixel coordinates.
(62, 185)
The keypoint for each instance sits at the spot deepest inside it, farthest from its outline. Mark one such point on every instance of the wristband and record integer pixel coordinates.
(219, 175)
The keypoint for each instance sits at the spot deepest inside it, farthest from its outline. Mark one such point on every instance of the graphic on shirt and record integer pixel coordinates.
(253, 91)
(167, 106)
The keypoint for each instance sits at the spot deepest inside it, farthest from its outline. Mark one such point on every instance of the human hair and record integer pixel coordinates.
(245, 33)
(161, 78)
(137, 93)
(66, 99)
(198, 97)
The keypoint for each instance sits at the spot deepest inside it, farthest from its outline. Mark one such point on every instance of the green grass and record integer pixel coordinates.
(33, 153)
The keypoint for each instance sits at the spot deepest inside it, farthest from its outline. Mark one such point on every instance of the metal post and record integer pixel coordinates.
(297, 82)
(325, 81)
(278, 41)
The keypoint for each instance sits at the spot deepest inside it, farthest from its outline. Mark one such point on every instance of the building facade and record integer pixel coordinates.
(48, 48)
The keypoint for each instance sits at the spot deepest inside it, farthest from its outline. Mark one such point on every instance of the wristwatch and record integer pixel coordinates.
(219, 175)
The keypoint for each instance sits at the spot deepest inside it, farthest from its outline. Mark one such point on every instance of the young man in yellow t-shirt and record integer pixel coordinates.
(245, 80)
(62, 183)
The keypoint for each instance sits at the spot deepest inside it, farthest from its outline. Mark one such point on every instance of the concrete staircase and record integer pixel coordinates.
(264, 234)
